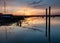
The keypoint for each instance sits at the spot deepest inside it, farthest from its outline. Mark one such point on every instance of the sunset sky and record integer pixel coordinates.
(29, 7)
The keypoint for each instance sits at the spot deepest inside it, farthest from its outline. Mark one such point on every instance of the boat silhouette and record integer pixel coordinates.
(7, 19)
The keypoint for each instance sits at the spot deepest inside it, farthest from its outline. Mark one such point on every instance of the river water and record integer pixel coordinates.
(32, 31)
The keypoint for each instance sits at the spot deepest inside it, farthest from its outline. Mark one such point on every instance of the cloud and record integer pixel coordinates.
(15, 4)
(35, 2)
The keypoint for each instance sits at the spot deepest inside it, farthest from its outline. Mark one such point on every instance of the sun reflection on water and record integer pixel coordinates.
(39, 21)
(33, 21)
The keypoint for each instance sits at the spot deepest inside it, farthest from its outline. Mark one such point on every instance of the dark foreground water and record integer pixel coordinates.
(32, 31)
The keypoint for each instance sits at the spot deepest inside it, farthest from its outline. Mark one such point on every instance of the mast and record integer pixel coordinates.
(4, 6)
(5, 13)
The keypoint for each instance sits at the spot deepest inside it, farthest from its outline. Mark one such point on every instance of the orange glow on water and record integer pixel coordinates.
(33, 21)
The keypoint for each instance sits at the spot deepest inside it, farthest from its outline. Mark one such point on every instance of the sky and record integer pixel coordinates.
(29, 7)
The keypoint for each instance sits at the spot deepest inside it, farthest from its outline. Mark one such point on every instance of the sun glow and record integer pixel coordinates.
(26, 10)
(29, 11)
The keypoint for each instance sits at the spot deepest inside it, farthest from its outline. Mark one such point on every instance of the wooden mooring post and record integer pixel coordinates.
(49, 24)
(46, 22)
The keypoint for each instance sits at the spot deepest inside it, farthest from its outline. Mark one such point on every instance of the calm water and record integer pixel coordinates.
(32, 31)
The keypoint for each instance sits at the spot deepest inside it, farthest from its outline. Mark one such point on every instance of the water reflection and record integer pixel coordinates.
(34, 21)
(39, 22)
(32, 30)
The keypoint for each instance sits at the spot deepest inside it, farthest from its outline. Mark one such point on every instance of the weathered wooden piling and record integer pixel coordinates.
(49, 24)
(46, 22)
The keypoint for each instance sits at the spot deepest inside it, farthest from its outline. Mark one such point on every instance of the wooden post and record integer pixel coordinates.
(20, 23)
(49, 23)
(17, 23)
(46, 22)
